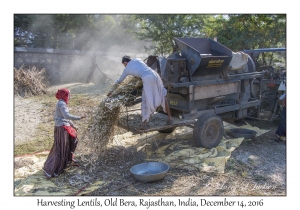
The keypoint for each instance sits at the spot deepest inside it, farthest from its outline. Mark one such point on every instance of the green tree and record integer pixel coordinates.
(21, 27)
(59, 31)
(162, 28)
(248, 31)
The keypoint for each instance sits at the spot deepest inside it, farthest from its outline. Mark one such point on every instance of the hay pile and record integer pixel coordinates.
(29, 82)
(100, 130)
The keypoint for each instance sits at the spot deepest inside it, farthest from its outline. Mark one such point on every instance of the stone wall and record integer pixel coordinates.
(69, 66)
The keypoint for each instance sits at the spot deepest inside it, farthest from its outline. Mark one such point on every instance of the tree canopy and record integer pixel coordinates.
(248, 31)
(161, 29)
(153, 32)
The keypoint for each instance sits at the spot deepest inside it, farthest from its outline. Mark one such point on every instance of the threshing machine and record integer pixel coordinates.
(207, 83)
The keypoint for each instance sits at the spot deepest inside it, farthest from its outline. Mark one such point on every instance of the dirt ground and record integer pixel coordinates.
(256, 168)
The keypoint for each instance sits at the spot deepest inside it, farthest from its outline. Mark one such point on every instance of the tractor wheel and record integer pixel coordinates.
(208, 131)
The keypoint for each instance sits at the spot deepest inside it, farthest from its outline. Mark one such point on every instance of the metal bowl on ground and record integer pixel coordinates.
(149, 171)
(243, 132)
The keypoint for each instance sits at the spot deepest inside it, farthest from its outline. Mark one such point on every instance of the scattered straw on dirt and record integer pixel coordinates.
(257, 167)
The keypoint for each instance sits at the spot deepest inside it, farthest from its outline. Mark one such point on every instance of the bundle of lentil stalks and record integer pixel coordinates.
(100, 130)
(29, 82)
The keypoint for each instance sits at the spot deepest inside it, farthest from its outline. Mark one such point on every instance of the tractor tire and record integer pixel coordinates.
(208, 131)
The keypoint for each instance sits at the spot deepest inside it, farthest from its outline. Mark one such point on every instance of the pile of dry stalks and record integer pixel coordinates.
(100, 131)
(29, 82)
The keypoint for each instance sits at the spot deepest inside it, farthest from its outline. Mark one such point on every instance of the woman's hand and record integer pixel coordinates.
(74, 127)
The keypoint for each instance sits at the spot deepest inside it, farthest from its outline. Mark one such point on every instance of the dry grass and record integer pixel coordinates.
(29, 82)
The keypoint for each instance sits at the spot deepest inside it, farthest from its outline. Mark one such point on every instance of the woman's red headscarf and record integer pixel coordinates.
(63, 94)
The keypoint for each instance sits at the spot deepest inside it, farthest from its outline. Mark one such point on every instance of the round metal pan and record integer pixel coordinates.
(149, 171)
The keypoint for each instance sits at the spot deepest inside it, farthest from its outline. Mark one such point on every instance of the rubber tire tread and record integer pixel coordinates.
(198, 129)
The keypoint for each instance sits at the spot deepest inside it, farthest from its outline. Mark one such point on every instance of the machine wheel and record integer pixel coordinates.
(208, 131)
(168, 130)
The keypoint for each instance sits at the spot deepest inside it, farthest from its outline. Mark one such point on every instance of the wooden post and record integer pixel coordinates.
(93, 68)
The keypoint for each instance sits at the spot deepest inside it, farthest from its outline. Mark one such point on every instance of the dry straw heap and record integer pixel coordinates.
(29, 82)
(100, 130)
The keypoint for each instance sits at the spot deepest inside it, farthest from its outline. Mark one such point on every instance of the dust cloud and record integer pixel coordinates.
(108, 43)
